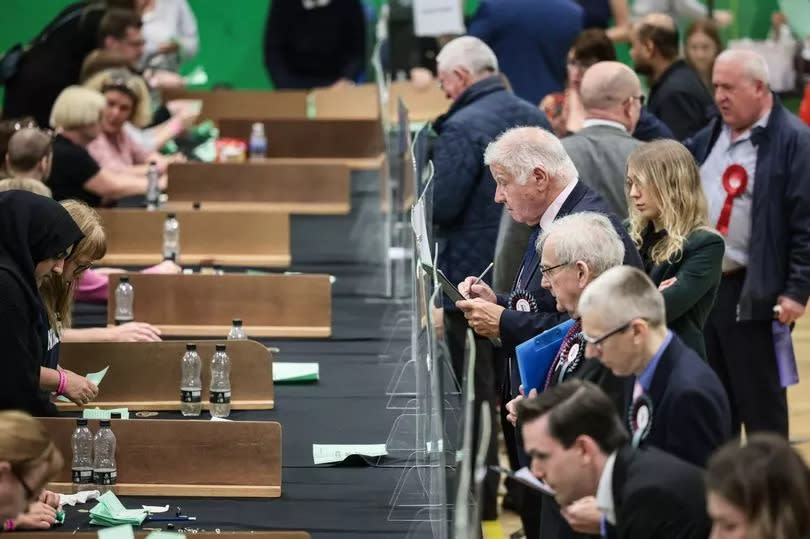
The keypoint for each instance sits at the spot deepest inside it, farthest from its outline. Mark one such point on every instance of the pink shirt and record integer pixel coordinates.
(92, 286)
(116, 152)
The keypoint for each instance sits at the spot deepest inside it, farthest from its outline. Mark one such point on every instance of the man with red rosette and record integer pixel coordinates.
(755, 170)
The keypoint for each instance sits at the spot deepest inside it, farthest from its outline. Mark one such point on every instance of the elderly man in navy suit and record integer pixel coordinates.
(537, 181)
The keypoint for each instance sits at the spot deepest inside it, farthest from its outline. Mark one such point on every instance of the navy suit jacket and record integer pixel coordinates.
(517, 327)
(691, 415)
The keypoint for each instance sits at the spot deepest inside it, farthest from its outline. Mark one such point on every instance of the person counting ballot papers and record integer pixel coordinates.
(579, 446)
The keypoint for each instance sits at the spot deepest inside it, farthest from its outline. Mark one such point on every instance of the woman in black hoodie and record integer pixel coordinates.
(36, 236)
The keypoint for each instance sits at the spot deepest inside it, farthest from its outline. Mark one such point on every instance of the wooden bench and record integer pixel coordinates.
(159, 457)
(146, 375)
(204, 305)
(305, 188)
(227, 238)
(245, 104)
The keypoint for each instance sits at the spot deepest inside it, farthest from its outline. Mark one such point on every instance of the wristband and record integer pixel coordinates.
(9, 525)
(62, 383)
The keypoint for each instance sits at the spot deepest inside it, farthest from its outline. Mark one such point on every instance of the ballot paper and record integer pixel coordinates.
(111, 512)
(117, 532)
(331, 453)
(432, 18)
(95, 377)
(98, 413)
(295, 372)
(165, 535)
(525, 475)
(79, 497)
(151, 509)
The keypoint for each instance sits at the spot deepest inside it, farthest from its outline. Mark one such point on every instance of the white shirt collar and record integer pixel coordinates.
(554, 208)
(762, 122)
(590, 122)
(604, 494)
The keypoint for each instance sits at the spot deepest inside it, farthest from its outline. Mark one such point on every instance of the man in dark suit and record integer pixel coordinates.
(464, 212)
(537, 181)
(754, 163)
(578, 446)
(677, 402)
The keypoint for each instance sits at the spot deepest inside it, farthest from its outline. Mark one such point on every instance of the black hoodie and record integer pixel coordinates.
(33, 228)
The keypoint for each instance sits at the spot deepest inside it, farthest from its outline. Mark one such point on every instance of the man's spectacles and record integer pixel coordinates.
(641, 99)
(546, 271)
(598, 342)
(30, 495)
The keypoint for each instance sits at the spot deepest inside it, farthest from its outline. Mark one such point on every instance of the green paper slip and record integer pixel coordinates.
(117, 532)
(95, 377)
(331, 453)
(165, 535)
(98, 413)
(60, 517)
(295, 372)
(111, 512)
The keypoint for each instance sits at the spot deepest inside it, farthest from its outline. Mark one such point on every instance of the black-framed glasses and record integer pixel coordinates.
(598, 342)
(545, 272)
(641, 99)
(81, 268)
(30, 495)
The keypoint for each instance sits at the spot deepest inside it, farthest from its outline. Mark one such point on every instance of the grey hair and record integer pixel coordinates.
(585, 236)
(622, 294)
(470, 53)
(520, 149)
(752, 63)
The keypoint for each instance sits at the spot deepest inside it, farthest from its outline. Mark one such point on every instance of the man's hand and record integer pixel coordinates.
(583, 515)
(79, 389)
(511, 406)
(484, 317)
(134, 332)
(480, 290)
(788, 310)
(40, 516)
(50, 498)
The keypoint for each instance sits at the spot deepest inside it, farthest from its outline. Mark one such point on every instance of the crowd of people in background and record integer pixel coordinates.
(671, 224)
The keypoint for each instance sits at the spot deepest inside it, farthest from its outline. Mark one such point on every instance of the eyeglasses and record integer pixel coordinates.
(30, 495)
(641, 99)
(598, 342)
(81, 268)
(545, 272)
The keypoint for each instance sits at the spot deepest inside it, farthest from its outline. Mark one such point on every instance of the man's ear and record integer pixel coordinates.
(539, 176)
(583, 273)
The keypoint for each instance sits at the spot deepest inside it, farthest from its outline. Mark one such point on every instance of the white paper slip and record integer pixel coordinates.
(526, 475)
(296, 372)
(95, 377)
(220, 419)
(155, 508)
(331, 453)
(80, 497)
(433, 18)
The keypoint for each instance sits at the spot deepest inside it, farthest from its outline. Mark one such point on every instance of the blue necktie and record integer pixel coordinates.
(528, 260)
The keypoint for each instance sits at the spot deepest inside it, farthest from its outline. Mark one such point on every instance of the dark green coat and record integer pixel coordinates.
(690, 300)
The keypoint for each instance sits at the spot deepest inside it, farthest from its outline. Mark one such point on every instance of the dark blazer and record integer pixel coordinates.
(690, 300)
(779, 250)
(691, 415)
(680, 99)
(516, 327)
(465, 213)
(658, 496)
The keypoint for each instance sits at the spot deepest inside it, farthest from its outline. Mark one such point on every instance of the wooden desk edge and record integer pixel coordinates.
(262, 261)
(142, 489)
(296, 208)
(237, 404)
(253, 331)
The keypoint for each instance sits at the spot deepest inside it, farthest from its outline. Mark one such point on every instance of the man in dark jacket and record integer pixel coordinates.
(464, 210)
(754, 169)
(677, 95)
(579, 448)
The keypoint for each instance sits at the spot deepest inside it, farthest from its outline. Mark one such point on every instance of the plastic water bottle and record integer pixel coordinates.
(104, 470)
(124, 300)
(82, 444)
(220, 383)
(152, 188)
(257, 147)
(190, 384)
(171, 238)
(237, 332)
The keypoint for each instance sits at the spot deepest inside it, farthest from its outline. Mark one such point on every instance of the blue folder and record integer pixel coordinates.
(535, 356)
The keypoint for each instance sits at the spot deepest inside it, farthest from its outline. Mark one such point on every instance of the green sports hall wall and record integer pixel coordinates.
(231, 32)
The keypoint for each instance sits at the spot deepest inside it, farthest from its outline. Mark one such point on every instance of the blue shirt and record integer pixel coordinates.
(646, 376)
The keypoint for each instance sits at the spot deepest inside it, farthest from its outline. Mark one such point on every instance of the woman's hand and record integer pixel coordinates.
(79, 389)
(40, 516)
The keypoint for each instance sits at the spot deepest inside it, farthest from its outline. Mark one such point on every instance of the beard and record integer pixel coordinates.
(643, 68)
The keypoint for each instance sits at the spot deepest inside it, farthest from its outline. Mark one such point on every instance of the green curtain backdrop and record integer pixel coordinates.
(232, 32)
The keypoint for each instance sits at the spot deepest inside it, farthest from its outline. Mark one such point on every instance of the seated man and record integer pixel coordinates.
(579, 447)
(677, 401)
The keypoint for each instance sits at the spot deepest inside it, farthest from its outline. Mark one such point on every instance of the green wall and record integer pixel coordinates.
(232, 31)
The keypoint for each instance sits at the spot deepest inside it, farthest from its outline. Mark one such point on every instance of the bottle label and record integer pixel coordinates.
(190, 396)
(83, 477)
(106, 478)
(220, 397)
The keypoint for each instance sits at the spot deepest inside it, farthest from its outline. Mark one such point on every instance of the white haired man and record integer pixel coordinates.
(580, 247)
(464, 210)
(754, 163)
(538, 183)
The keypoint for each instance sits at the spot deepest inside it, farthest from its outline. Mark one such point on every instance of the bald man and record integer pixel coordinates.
(29, 154)
(677, 95)
(612, 98)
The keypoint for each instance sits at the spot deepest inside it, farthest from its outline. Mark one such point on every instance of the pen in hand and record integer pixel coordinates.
(478, 280)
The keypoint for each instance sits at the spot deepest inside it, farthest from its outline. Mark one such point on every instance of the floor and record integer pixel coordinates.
(798, 400)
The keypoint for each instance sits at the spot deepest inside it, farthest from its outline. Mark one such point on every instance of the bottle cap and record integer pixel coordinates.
(171, 216)
(81, 422)
(191, 347)
(220, 348)
(237, 322)
(125, 279)
(105, 423)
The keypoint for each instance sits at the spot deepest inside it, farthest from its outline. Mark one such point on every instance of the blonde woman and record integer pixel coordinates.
(28, 461)
(669, 225)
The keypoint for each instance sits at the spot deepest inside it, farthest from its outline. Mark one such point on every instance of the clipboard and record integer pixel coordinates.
(447, 287)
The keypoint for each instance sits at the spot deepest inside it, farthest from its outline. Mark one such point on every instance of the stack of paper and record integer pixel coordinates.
(295, 372)
(98, 413)
(111, 512)
(95, 377)
(331, 453)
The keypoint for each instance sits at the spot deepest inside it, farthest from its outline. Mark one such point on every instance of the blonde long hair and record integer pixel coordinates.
(668, 173)
(56, 293)
(25, 444)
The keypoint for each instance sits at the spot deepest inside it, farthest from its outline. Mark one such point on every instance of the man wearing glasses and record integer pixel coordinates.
(677, 402)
